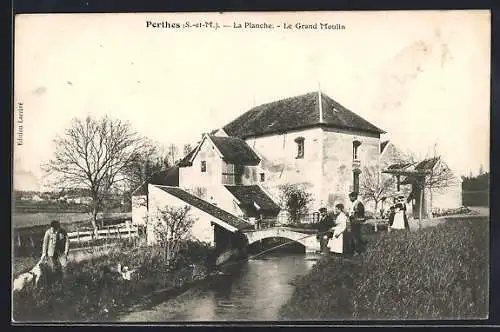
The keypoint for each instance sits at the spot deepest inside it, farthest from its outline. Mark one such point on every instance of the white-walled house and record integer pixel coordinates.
(224, 171)
(309, 140)
(208, 218)
(169, 177)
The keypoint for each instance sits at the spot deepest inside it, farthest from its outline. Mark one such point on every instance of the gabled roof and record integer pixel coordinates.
(235, 150)
(410, 169)
(232, 149)
(168, 177)
(296, 113)
(251, 194)
(186, 161)
(427, 164)
(216, 212)
(401, 166)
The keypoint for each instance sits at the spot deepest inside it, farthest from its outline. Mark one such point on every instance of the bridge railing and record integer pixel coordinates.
(284, 220)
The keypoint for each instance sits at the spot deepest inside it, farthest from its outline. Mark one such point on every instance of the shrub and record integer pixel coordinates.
(447, 212)
(436, 273)
(91, 293)
(172, 229)
(296, 200)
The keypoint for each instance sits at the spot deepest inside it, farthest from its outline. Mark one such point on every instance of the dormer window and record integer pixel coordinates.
(262, 177)
(300, 147)
(203, 166)
(355, 146)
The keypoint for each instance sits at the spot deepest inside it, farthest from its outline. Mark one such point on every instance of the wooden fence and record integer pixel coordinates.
(30, 243)
(117, 232)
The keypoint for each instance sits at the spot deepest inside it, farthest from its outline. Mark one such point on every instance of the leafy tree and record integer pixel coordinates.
(296, 200)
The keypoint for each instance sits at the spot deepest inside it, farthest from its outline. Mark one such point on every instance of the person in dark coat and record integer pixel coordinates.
(356, 218)
(392, 212)
(324, 226)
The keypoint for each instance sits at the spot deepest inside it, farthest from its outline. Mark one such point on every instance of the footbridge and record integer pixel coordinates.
(306, 237)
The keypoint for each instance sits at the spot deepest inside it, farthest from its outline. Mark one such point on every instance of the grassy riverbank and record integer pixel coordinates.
(89, 293)
(437, 273)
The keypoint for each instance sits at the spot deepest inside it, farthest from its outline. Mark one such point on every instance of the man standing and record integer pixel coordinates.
(55, 248)
(324, 226)
(357, 218)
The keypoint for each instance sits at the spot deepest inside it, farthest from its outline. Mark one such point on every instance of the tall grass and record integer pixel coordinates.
(436, 273)
(91, 293)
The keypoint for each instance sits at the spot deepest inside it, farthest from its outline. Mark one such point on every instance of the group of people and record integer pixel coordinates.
(343, 235)
(398, 220)
(345, 232)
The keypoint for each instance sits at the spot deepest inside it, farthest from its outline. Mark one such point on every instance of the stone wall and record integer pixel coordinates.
(337, 160)
(280, 164)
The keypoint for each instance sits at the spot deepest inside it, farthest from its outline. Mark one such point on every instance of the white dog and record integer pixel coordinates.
(30, 278)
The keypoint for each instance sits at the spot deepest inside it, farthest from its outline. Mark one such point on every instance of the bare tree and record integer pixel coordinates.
(481, 170)
(93, 154)
(144, 164)
(187, 148)
(375, 186)
(439, 176)
(172, 154)
(172, 228)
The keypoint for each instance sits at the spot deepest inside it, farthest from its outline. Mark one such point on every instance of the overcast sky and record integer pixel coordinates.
(423, 77)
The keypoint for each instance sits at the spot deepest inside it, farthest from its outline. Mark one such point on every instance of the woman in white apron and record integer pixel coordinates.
(400, 220)
(336, 243)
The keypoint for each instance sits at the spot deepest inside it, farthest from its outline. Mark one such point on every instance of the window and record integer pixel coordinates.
(355, 180)
(355, 146)
(262, 177)
(300, 147)
(203, 166)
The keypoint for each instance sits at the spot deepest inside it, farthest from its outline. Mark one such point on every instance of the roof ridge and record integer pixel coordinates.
(302, 111)
(201, 199)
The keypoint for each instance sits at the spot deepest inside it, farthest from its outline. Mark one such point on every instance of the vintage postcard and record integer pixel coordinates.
(261, 167)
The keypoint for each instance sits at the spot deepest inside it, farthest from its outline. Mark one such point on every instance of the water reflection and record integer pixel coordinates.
(255, 293)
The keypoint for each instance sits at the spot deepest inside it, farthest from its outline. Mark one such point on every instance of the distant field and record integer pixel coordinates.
(28, 228)
(24, 220)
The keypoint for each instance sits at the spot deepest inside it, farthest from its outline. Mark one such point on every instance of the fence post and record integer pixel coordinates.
(18, 239)
(78, 236)
(109, 234)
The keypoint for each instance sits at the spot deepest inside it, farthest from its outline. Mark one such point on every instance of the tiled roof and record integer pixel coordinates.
(185, 161)
(410, 168)
(235, 150)
(295, 113)
(427, 164)
(207, 207)
(400, 166)
(251, 194)
(169, 177)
